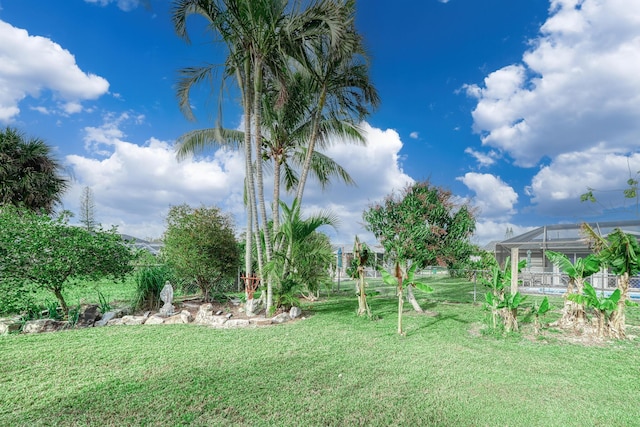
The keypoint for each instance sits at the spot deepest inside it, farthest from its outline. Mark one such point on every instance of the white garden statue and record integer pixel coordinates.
(166, 295)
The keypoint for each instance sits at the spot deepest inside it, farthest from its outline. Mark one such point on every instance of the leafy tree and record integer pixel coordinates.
(200, 246)
(423, 224)
(87, 209)
(29, 174)
(573, 313)
(48, 253)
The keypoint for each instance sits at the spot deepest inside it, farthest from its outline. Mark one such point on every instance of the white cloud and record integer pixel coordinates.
(31, 64)
(414, 135)
(488, 231)
(494, 198)
(556, 188)
(126, 5)
(484, 160)
(135, 184)
(577, 87)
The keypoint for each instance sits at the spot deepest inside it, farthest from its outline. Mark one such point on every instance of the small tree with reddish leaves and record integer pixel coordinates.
(423, 224)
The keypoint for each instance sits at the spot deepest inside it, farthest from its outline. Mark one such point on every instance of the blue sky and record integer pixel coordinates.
(516, 106)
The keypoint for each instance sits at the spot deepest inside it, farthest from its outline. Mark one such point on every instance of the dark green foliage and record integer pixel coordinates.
(46, 253)
(286, 295)
(200, 247)
(16, 296)
(30, 176)
(423, 224)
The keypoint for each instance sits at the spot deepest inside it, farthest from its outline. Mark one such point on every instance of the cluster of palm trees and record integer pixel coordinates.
(302, 72)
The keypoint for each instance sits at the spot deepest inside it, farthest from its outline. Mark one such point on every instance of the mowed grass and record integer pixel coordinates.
(332, 368)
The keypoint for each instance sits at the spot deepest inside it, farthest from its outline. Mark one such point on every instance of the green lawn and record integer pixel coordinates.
(330, 369)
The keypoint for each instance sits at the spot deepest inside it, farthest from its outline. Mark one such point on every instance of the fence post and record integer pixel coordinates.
(474, 285)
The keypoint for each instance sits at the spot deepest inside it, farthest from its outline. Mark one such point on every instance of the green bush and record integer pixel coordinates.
(15, 296)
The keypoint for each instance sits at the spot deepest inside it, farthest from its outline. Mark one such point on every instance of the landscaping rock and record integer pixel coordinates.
(180, 318)
(155, 320)
(204, 315)
(281, 318)
(44, 325)
(88, 316)
(295, 312)
(115, 322)
(236, 323)
(133, 320)
(105, 318)
(8, 325)
(260, 321)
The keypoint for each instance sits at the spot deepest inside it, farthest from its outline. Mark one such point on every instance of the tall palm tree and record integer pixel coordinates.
(287, 128)
(261, 37)
(29, 174)
(342, 87)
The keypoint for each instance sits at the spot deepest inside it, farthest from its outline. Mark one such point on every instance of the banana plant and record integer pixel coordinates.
(505, 305)
(620, 251)
(540, 309)
(572, 312)
(603, 307)
(400, 279)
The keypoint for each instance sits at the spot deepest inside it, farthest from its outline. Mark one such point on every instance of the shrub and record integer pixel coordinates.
(149, 283)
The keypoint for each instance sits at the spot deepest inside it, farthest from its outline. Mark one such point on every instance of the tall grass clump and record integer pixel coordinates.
(149, 282)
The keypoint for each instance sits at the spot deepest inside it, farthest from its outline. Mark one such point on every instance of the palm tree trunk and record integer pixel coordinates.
(306, 166)
(246, 97)
(275, 209)
(257, 112)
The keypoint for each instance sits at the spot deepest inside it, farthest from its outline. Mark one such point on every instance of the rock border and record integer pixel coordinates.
(91, 317)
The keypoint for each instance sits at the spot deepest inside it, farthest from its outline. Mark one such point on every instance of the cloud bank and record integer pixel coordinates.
(30, 65)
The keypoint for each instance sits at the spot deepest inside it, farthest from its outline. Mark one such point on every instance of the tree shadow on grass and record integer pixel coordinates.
(435, 320)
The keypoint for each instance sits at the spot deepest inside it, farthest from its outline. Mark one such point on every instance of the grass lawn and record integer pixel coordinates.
(332, 368)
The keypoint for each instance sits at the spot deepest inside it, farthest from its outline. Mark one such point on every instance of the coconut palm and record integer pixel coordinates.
(342, 88)
(261, 37)
(287, 128)
(29, 174)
